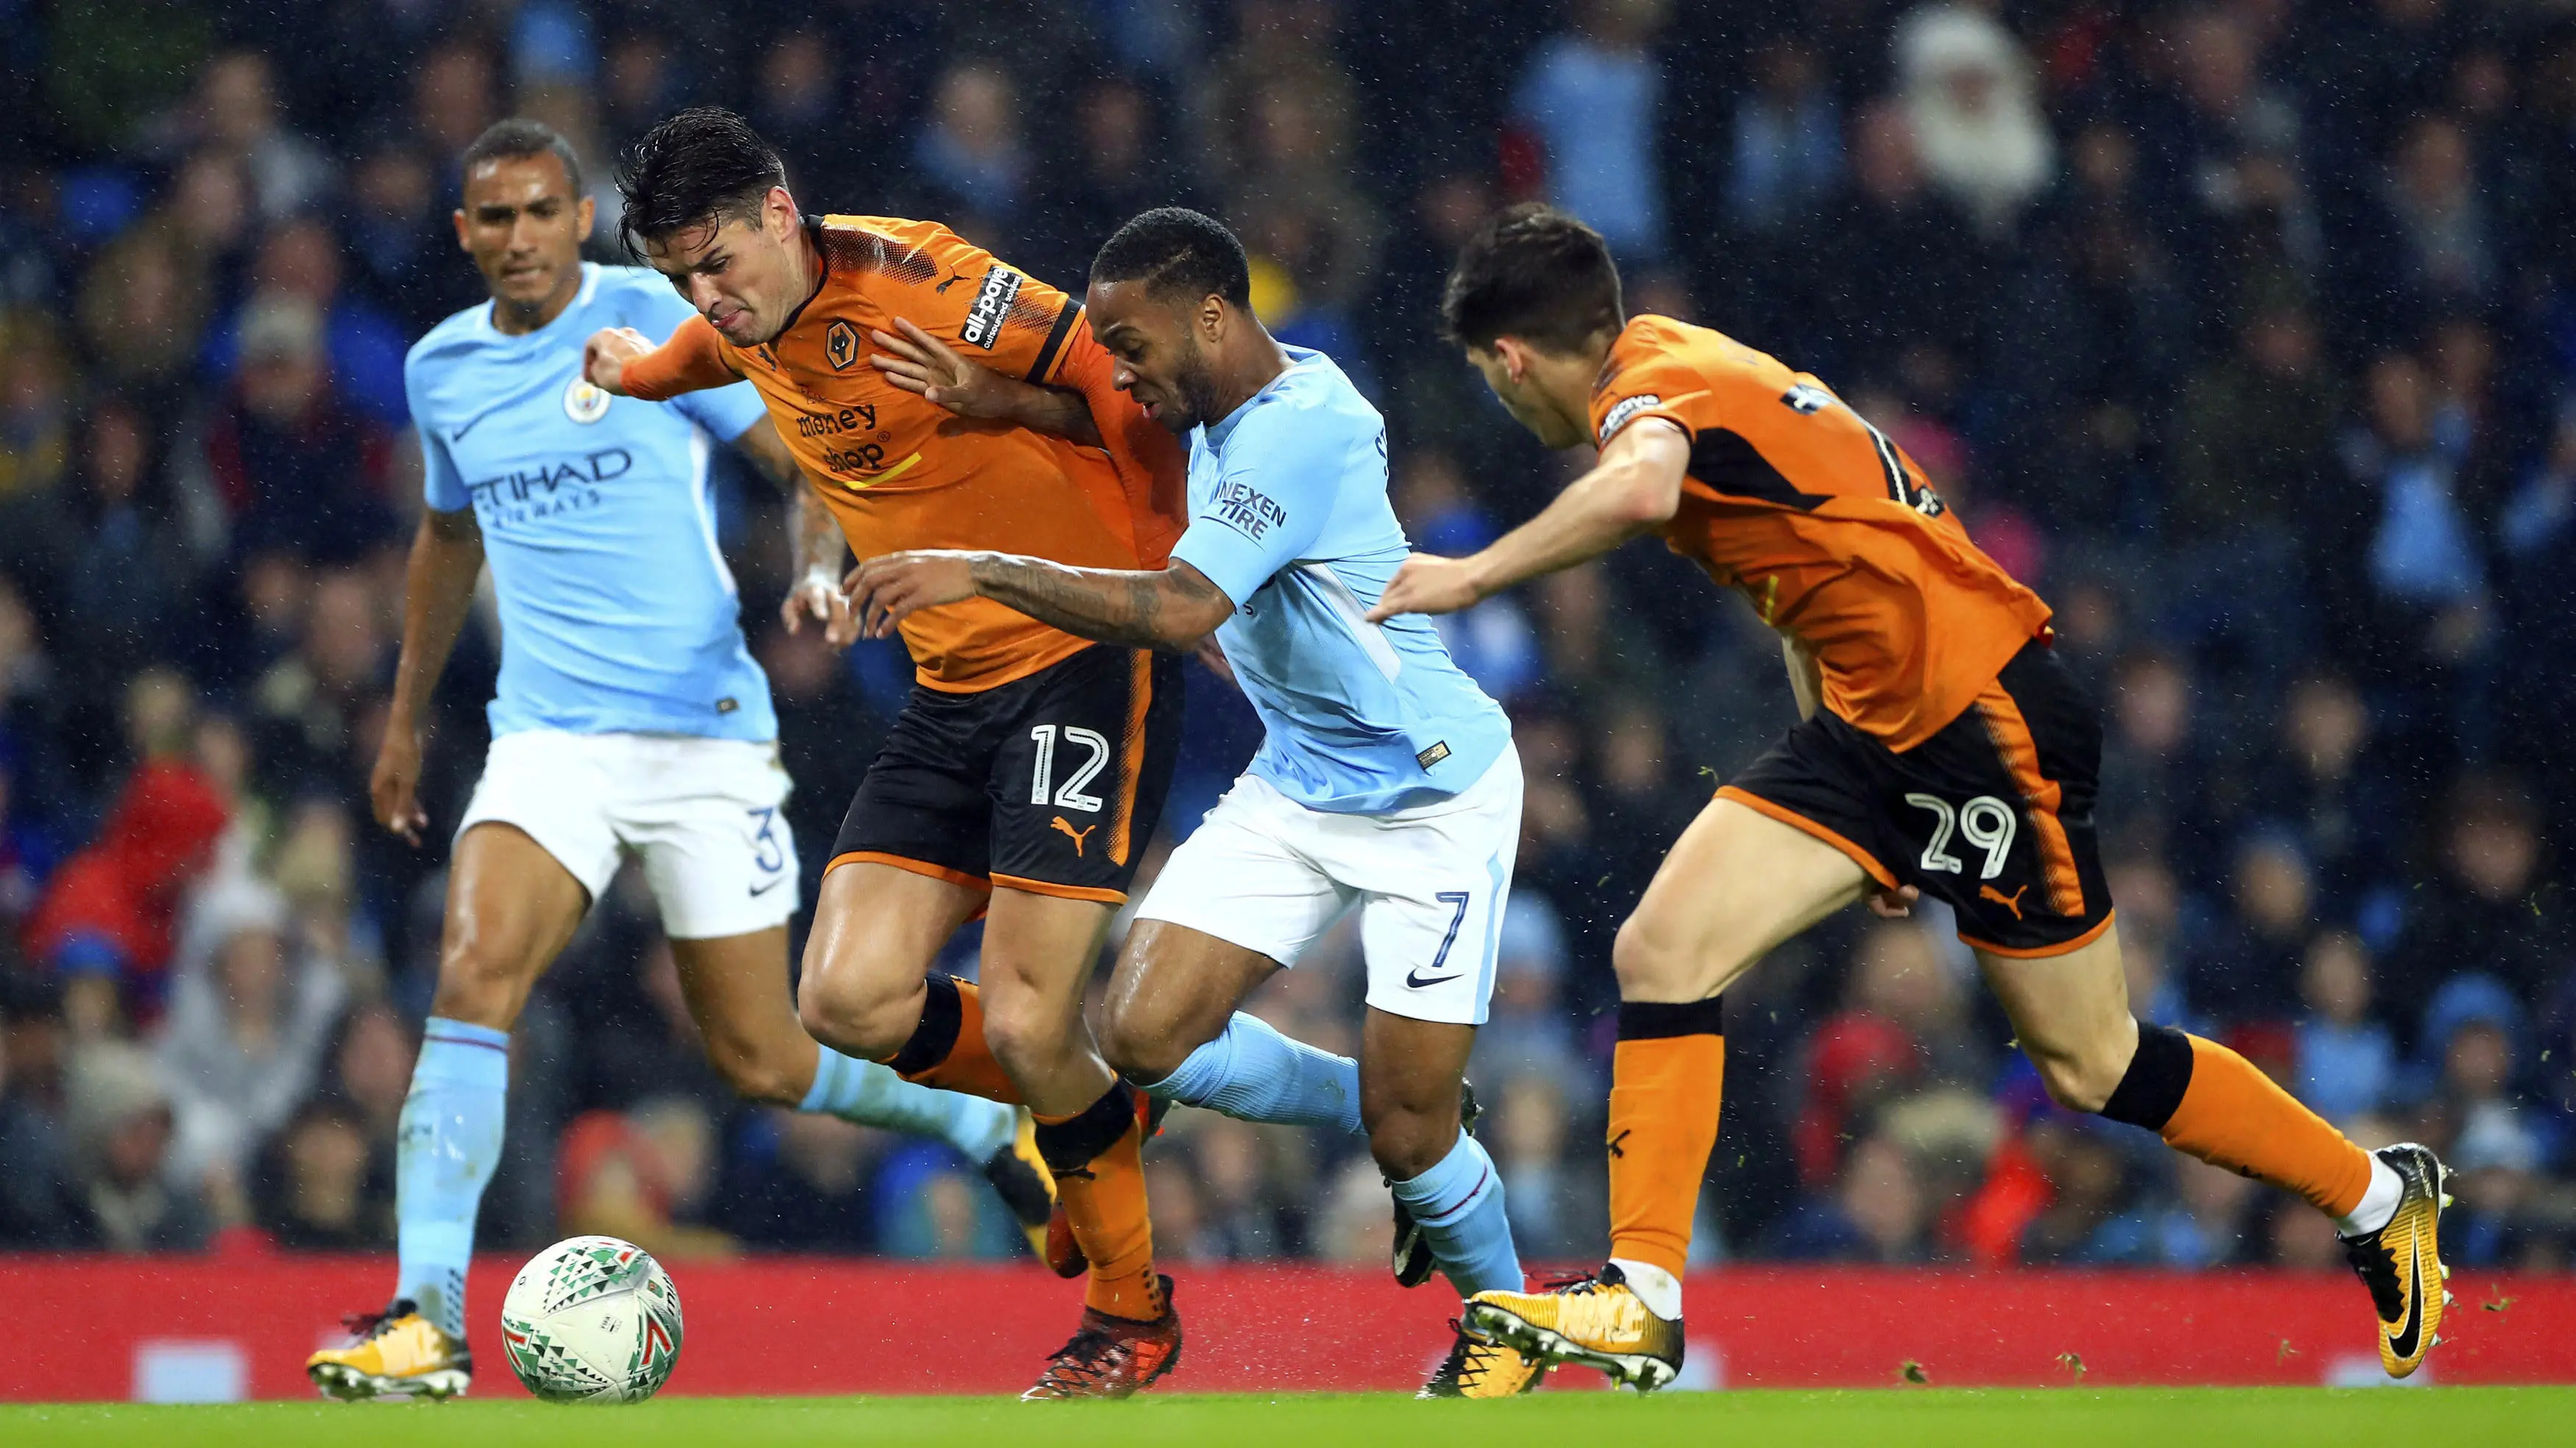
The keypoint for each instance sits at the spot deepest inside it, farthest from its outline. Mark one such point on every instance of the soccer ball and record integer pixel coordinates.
(592, 1320)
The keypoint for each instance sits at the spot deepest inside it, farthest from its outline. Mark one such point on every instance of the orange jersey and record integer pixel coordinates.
(900, 472)
(1828, 527)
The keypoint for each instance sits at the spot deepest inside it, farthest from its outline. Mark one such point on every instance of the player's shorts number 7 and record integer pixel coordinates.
(1068, 795)
(1985, 822)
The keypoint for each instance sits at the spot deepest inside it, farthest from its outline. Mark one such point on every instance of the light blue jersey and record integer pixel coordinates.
(1289, 515)
(618, 613)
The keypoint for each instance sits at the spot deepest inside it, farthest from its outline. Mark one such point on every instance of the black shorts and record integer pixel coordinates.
(1052, 783)
(1993, 814)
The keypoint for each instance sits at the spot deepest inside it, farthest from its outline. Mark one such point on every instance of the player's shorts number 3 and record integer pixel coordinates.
(1984, 822)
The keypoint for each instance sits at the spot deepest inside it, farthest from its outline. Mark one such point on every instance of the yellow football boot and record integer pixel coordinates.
(2401, 1263)
(1021, 1179)
(1594, 1322)
(1479, 1368)
(398, 1354)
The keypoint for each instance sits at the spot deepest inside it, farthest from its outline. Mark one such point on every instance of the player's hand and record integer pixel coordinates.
(886, 590)
(605, 355)
(1427, 584)
(1894, 904)
(919, 362)
(817, 597)
(394, 786)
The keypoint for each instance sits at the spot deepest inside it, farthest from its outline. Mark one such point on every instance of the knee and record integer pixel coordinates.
(755, 1073)
(859, 1015)
(1021, 1033)
(2082, 1079)
(480, 987)
(1653, 961)
(1138, 1047)
(1408, 1142)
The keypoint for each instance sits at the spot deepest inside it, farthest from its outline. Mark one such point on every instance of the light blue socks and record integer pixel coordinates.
(1253, 1073)
(450, 1142)
(1459, 1206)
(869, 1094)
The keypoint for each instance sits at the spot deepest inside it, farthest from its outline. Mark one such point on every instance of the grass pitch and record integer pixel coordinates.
(2087, 1418)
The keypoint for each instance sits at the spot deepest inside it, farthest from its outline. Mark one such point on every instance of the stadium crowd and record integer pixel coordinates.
(2244, 330)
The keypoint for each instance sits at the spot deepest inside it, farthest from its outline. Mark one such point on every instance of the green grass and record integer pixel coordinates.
(2077, 1417)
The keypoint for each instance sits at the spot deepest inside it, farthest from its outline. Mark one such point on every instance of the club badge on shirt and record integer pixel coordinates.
(584, 403)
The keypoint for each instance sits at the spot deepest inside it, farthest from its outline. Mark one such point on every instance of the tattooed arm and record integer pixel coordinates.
(1172, 608)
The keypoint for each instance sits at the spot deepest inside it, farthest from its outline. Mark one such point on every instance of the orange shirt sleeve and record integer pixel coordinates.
(692, 361)
(1150, 460)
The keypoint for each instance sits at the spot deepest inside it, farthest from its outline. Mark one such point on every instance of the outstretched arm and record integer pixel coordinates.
(1634, 488)
(919, 362)
(1172, 608)
(623, 362)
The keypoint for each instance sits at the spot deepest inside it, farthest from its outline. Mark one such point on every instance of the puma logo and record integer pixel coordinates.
(1614, 1145)
(2011, 902)
(1075, 835)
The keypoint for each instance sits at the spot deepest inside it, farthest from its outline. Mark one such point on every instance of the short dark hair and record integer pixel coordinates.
(1176, 249)
(1535, 273)
(518, 139)
(702, 165)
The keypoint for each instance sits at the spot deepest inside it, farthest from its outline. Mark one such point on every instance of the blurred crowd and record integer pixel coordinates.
(2244, 330)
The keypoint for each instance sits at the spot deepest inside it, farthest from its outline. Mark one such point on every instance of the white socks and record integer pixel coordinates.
(2377, 1204)
(1660, 1290)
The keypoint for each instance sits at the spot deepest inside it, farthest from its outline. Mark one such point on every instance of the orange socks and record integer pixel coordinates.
(947, 1049)
(1099, 1166)
(2209, 1102)
(1665, 1080)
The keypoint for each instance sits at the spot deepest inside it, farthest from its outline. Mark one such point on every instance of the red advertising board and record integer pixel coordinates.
(224, 1327)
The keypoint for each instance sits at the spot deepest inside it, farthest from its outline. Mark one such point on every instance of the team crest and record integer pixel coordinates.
(841, 344)
(584, 403)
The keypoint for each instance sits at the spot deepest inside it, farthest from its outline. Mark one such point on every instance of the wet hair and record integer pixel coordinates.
(701, 166)
(1535, 273)
(1177, 250)
(519, 139)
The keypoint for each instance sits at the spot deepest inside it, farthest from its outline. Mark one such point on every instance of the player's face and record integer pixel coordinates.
(1507, 369)
(524, 228)
(740, 273)
(1162, 362)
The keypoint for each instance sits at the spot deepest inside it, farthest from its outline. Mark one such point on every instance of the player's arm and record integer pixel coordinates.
(438, 589)
(816, 593)
(1634, 488)
(1170, 608)
(624, 362)
(918, 362)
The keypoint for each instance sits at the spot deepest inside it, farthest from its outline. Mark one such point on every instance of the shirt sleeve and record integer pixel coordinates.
(1152, 461)
(692, 361)
(442, 489)
(990, 311)
(1649, 388)
(1268, 506)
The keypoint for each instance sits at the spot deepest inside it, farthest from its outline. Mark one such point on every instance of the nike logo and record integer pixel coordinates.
(1414, 978)
(2011, 902)
(772, 885)
(1075, 835)
(458, 435)
(2411, 1336)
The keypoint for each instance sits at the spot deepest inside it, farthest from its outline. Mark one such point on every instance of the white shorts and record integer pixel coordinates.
(702, 814)
(1270, 874)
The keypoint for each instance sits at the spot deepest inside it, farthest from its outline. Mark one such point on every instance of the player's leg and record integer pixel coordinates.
(736, 988)
(2071, 1014)
(1170, 1025)
(1232, 904)
(511, 908)
(1741, 881)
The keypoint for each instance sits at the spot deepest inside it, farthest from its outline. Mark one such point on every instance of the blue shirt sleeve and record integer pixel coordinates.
(1270, 502)
(441, 488)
